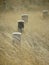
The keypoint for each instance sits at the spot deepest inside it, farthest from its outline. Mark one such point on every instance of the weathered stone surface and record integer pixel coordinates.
(16, 37)
(20, 25)
(25, 17)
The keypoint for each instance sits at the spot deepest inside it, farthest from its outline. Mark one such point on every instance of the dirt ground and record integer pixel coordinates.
(34, 49)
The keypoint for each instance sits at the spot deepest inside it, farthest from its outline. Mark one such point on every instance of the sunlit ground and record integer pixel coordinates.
(34, 49)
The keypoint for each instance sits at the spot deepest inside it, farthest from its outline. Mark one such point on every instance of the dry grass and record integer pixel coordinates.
(34, 49)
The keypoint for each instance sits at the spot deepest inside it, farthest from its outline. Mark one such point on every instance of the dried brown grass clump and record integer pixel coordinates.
(34, 49)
